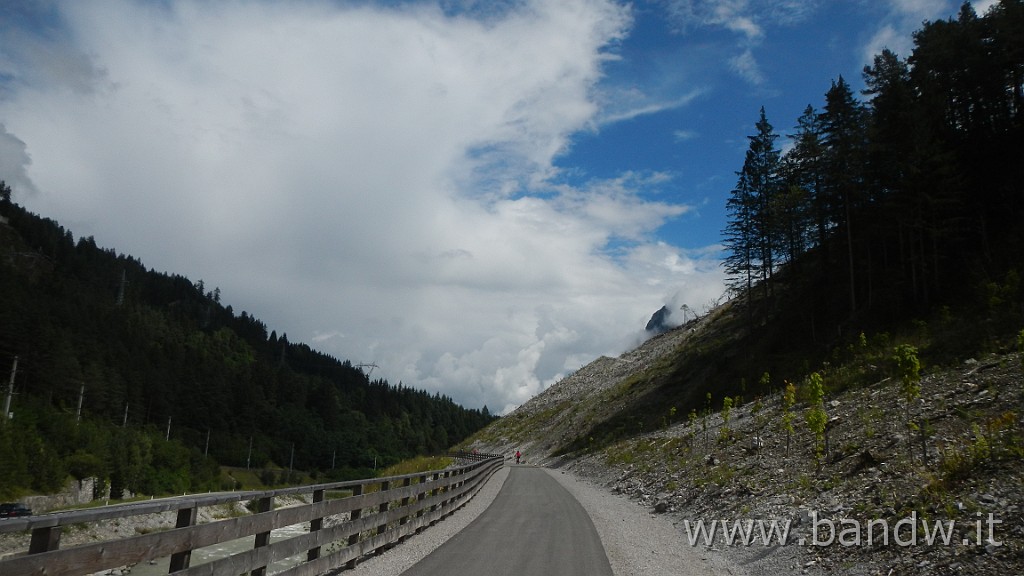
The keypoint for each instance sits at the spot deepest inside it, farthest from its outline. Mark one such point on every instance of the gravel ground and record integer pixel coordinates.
(639, 543)
(636, 541)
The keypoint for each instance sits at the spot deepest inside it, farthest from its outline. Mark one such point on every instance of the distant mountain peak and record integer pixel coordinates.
(659, 321)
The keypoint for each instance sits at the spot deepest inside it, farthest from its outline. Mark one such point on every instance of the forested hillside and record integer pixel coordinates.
(146, 353)
(891, 217)
(903, 204)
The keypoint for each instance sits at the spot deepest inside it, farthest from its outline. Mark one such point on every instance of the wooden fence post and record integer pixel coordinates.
(382, 528)
(263, 538)
(186, 517)
(447, 490)
(405, 502)
(419, 498)
(44, 539)
(315, 525)
(355, 514)
(435, 492)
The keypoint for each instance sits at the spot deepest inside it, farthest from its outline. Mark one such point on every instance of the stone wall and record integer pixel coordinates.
(75, 493)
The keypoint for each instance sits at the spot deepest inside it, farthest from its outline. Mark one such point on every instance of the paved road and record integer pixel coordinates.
(534, 527)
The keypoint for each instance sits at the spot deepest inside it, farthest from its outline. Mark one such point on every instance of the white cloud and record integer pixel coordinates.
(372, 180)
(626, 105)
(983, 6)
(902, 19)
(748, 19)
(887, 37)
(920, 9)
(14, 161)
(684, 135)
(745, 65)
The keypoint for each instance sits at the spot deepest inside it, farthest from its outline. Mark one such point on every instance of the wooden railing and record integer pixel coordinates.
(380, 512)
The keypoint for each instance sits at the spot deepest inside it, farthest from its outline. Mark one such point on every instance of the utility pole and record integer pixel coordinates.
(167, 438)
(291, 462)
(120, 290)
(10, 390)
(206, 451)
(124, 424)
(249, 457)
(78, 413)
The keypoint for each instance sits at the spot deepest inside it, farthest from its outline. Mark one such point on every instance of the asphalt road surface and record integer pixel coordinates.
(534, 527)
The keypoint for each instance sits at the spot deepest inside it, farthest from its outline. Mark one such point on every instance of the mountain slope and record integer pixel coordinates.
(148, 381)
(951, 453)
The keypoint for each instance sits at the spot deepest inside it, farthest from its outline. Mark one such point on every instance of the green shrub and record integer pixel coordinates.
(725, 434)
(788, 400)
(817, 418)
(908, 367)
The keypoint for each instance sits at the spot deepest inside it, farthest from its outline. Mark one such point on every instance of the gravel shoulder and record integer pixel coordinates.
(639, 543)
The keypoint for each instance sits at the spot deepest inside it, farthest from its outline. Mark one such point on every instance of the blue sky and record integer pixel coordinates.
(479, 197)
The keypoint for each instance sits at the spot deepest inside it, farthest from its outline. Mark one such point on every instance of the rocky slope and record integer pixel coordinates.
(950, 458)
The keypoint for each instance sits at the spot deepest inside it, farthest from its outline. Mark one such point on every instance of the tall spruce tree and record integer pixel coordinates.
(844, 136)
(752, 235)
(802, 168)
(738, 237)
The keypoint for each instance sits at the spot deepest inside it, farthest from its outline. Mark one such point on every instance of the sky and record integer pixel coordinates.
(477, 196)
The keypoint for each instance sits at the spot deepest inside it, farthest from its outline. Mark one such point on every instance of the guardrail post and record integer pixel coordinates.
(354, 515)
(44, 539)
(263, 538)
(462, 477)
(447, 490)
(382, 528)
(421, 496)
(435, 492)
(315, 525)
(405, 502)
(181, 560)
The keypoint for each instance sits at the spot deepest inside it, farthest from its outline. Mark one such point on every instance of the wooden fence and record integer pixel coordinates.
(379, 513)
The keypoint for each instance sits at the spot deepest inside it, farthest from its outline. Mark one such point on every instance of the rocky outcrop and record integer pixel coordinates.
(659, 321)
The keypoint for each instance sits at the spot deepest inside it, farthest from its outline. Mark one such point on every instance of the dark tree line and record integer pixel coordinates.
(910, 198)
(150, 350)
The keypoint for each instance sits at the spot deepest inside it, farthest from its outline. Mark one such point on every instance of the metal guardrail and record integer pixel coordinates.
(381, 512)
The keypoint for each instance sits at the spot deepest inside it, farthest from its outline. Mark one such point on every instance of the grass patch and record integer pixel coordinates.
(417, 464)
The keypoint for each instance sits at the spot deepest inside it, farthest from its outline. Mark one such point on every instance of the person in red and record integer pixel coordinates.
(517, 456)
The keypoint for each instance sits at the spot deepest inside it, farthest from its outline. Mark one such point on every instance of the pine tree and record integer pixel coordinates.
(752, 237)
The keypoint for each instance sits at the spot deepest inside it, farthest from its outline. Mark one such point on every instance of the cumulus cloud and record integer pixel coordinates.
(14, 161)
(377, 181)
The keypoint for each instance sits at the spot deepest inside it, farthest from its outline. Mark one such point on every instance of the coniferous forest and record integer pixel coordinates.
(902, 203)
(173, 383)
